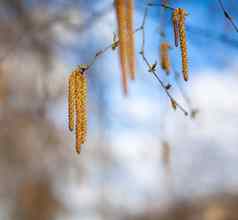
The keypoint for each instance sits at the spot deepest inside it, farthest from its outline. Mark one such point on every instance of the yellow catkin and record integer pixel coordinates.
(78, 136)
(81, 112)
(83, 107)
(182, 36)
(166, 154)
(130, 42)
(175, 18)
(164, 57)
(71, 101)
(121, 7)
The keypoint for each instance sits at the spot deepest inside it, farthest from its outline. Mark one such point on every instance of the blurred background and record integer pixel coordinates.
(142, 159)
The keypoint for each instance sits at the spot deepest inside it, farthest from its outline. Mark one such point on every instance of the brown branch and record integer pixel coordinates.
(57, 17)
(193, 111)
(227, 15)
(108, 47)
(161, 5)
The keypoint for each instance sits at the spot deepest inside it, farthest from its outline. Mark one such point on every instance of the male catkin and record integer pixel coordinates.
(81, 113)
(77, 106)
(175, 18)
(166, 155)
(83, 107)
(164, 56)
(121, 9)
(130, 42)
(71, 100)
(78, 136)
(182, 36)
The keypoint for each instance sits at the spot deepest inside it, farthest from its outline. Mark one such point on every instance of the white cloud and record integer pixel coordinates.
(204, 151)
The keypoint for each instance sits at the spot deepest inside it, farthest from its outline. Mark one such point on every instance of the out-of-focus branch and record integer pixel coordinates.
(56, 18)
(161, 5)
(227, 15)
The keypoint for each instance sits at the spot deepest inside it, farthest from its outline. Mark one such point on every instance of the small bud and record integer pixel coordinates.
(174, 104)
(115, 43)
(194, 113)
(153, 67)
(168, 86)
(83, 67)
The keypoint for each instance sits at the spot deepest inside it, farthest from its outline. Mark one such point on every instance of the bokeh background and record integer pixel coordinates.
(142, 159)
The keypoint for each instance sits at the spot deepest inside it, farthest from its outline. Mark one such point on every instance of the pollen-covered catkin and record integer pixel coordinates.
(164, 57)
(78, 137)
(130, 42)
(81, 113)
(120, 6)
(77, 105)
(175, 20)
(71, 101)
(83, 107)
(182, 36)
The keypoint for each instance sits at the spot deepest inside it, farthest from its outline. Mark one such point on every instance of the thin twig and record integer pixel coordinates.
(108, 47)
(227, 15)
(162, 84)
(192, 109)
(164, 6)
(161, 5)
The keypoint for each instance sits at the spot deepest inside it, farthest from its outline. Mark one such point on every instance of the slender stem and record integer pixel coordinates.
(160, 5)
(227, 16)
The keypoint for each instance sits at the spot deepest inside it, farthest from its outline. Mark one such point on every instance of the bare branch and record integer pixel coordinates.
(227, 15)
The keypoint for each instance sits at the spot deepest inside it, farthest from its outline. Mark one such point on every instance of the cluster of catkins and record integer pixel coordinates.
(77, 104)
(178, 18)
(77, 91)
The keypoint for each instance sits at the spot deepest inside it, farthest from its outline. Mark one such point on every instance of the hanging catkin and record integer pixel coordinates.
(164, 57)
(175, 18)
(78, 135)
(121, 9)
(166, 156)
(130, 41)
(71, 100)
(81, 114)
(182, 36)
(77, 106)
(83, 107)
